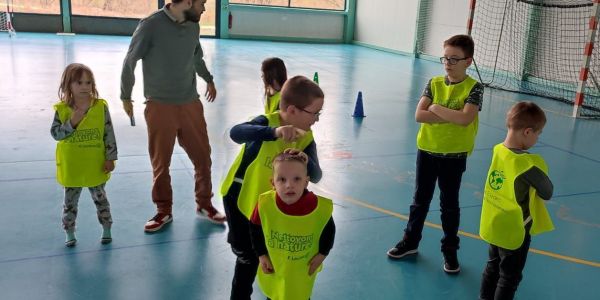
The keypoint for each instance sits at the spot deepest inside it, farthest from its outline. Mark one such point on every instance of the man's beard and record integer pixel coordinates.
(190, 15)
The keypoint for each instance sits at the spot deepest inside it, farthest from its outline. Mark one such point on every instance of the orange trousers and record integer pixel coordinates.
(186, 123)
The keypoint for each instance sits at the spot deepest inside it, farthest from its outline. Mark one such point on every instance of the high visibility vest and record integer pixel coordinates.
(80, 157)
(272, 104)
(256, 179)
(502, 221)
(449, 137)
(292, 241)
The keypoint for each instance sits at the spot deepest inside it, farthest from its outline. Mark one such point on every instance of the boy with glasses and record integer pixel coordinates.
(447, 112)
(263, 138)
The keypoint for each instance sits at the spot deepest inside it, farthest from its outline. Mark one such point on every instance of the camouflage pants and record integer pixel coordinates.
(72, 199)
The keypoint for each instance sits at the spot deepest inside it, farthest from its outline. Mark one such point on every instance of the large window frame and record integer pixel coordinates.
(67, 17)
(235, 2)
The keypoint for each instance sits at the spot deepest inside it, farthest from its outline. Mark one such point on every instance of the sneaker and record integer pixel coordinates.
(451, 265)
(157, 222)
(71, 243)
(401, 250)
(212, 214)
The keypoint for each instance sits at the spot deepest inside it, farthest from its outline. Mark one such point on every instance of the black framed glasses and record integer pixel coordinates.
(316, 114)
(451, 60)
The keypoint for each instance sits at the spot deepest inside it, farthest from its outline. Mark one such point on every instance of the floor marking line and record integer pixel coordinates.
(438, 226)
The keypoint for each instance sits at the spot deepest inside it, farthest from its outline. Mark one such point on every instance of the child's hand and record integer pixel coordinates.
(265, 264)
(77, 116)
(293, 151)
(109, 166)
(315, 262)
(289, 133)
(432, 108)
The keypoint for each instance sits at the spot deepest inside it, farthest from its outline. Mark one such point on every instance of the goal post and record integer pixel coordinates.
(547, 48)
(6, 19)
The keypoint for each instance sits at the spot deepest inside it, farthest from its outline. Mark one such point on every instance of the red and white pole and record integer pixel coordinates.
(587, 56)
(471, 16)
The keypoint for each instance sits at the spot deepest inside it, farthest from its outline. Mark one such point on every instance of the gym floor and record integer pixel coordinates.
(368, 164)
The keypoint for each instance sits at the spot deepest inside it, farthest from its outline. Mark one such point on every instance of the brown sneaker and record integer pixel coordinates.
(157, 222)
(212, 214)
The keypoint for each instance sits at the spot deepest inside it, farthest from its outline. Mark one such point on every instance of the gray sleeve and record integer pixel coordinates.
(427, 91)
(110, 142)
(138, 48)
(540, 182)
(200, 64)
(476, 95)
(60, 131)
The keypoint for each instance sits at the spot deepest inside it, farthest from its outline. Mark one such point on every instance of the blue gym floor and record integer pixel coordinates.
(368, 165)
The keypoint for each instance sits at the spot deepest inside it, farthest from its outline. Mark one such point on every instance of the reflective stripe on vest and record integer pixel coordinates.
(449, 137)
(291, 241)
(80, 157)
(502, 221)
(256, 179)
(272, 104)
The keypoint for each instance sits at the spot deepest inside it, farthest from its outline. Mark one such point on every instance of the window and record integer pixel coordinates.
(114, 8)
(319, 4)
(35, 6)
(262, 2)
(208, 19)
(316, 4)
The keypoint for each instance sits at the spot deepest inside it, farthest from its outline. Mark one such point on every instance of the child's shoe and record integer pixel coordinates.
(451, 265)
(106, 236)
(401, 250)
(70, 240)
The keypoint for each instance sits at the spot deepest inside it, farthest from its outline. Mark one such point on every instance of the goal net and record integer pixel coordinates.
(539, 47)
(6, 18)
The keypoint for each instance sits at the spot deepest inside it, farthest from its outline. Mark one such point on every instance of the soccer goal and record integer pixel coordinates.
(549, 48)
(6, 19)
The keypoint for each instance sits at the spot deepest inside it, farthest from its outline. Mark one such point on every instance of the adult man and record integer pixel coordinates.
(168, 43)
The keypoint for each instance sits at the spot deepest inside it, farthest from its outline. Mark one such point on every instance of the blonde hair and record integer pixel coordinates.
(72, 73)
(291, 155)
(525, 115)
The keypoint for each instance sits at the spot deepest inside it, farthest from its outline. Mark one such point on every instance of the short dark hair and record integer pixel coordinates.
(525, 115)
(300, 92)
(274, 70)
(462, 41)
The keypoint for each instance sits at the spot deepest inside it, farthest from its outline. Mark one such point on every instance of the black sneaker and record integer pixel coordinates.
(451, 265)
(401, 250)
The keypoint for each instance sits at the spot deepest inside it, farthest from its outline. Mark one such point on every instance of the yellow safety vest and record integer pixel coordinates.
(449, 137)
(256, 178)
(272, 104)
(291, 243)
(80, 157)
(502, 221)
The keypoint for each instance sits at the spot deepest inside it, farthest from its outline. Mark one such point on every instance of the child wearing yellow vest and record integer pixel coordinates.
(263, 138)
(292, 231)
(447, 112)
(86, 148)
(274, 75)
(513, 208)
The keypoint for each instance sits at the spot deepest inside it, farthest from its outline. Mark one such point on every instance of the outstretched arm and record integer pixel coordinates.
(256, 129)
